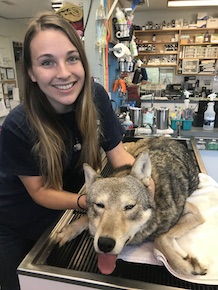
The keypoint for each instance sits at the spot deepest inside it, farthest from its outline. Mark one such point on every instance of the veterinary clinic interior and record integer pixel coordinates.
(158, 62)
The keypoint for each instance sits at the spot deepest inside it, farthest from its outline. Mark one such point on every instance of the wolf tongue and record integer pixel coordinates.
(106, 263)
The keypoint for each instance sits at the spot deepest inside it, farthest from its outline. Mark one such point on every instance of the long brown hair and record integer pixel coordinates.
(49, 144)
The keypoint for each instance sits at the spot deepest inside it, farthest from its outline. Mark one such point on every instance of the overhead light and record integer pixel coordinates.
(56, 5)
(187, 3)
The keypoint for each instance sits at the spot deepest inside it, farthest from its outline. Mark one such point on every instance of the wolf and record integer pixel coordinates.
(125, 209)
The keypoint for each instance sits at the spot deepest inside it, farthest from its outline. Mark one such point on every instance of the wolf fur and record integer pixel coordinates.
(122, 209)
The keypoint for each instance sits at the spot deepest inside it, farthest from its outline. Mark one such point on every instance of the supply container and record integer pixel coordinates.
(209, 117)
(136, 116)
(174, 123)
(187, 124)
(162, 118)
(148, 116)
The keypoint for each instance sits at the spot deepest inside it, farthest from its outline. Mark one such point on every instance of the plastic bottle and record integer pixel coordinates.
(128, 124)
(133, 47)
(206, 37)
(121, 21)
(101, 29)
(209, 117)
(154, 37)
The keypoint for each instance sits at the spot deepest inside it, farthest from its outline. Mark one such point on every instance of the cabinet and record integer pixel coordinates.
(193, 48)
(180, 48)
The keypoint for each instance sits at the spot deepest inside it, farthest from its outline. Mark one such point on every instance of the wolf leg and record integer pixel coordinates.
(166, 243)
(71, 231)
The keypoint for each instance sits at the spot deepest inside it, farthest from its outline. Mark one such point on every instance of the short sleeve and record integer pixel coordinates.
(15, 146)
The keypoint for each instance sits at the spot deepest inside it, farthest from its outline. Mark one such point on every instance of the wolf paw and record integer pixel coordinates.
(71, 231)
(196, 266)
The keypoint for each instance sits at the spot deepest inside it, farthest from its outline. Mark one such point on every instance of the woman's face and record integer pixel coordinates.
(57, 68)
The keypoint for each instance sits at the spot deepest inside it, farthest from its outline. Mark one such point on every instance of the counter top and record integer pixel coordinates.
(199, 132)
(194, 132)
(173, 100)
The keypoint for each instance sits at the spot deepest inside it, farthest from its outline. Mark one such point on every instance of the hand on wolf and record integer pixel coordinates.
(71, 231)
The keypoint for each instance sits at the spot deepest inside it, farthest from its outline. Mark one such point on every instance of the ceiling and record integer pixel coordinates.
(24, 9)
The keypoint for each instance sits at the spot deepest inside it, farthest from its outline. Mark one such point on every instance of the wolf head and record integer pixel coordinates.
(118, 208)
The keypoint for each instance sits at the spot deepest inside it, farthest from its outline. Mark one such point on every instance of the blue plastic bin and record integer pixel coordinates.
(187, 124)
(174, 123)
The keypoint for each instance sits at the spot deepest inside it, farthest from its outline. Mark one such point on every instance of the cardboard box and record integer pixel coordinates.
(202, 16)
(214, 38)
(201, 23)
(184, 41)
(212, 23)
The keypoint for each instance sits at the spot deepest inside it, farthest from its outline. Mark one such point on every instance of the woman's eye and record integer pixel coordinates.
(73, 58)
(129, 206)
(47, 63)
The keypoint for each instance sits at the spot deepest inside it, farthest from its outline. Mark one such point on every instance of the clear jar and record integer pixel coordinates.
(212, 145)
(201, 144)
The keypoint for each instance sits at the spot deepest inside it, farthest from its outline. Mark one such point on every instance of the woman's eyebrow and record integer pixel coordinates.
(49, 55)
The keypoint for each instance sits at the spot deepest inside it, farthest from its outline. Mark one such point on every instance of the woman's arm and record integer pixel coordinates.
(118, 156)
(51, 198)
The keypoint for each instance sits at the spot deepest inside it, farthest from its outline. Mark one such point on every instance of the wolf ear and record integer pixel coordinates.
(142, 168)
(90, 175)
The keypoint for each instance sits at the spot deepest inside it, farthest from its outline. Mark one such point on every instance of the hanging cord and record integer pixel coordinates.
(87, 19)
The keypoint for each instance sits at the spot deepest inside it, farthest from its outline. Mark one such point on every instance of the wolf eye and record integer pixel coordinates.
(129, 206)
(101, 205)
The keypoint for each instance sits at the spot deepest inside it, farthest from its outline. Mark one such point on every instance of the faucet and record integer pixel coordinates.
(151, 127)
(178, 128)
(152, 100)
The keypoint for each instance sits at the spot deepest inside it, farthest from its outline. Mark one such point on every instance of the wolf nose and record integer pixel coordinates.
(106, 244)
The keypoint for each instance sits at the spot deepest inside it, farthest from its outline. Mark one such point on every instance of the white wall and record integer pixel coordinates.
(12, 29)
(93, 55)
(190, 14)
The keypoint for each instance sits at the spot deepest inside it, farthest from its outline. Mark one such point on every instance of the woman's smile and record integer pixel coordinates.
(65, 86)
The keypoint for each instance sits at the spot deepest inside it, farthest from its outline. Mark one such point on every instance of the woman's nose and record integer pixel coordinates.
(63, 71)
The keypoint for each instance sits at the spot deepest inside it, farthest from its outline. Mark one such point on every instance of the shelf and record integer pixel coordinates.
(174, 29)
(7, 81)
(158, 42)
(203, 43)
(160, 65)
(200, 58)
(202, 29)
(157, 53)
(156, 30)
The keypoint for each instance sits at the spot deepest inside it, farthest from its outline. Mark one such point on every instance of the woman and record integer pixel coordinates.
(65, 120)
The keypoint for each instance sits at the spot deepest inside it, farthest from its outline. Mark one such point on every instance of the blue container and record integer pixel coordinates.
(174, 123)
(187, 124)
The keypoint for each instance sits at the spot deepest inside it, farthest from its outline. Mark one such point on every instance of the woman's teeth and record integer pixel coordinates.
(65, 87)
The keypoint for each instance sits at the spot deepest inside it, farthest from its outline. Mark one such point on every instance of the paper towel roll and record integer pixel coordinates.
(121, 50)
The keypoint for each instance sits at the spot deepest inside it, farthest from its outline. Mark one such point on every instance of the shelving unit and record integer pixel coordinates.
(176, 47)
(161, 51)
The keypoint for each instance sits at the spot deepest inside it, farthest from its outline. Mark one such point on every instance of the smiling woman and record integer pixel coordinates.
(57, 69)
(64, 121)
